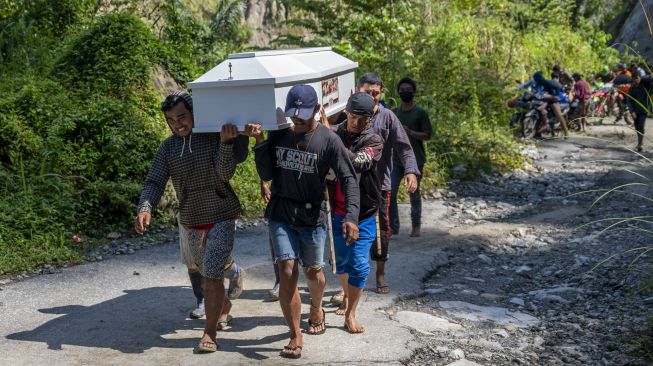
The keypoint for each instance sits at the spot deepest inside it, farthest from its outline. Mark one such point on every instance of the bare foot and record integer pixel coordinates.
(343, 307)
(224, 319)
(382, 289)
(352, 326)
(293, 349)
(337, 298)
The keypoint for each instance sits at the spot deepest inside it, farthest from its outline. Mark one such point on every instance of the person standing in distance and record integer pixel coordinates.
(417, 125)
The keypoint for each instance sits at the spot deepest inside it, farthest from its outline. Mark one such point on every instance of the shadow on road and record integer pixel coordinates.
(140, 320)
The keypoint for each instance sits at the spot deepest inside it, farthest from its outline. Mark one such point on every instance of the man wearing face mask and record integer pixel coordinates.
(417, 125)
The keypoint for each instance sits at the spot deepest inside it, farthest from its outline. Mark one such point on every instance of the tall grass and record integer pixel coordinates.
(638, 223)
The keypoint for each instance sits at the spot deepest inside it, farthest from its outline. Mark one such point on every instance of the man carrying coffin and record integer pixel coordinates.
(364, 150)
(200, 166)
(297, 161)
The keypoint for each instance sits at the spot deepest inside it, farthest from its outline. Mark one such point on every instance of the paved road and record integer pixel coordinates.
(133, 310)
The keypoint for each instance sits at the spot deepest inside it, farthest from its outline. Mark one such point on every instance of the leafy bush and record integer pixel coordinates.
(73, 123)
(114, 55)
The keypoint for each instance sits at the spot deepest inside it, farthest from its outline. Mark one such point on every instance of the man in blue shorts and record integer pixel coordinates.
(364, 150)
(297, 161)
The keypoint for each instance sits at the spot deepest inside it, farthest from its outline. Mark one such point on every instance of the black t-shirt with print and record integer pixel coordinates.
(297, 166)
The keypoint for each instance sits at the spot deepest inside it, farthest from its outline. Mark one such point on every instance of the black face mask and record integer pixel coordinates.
(407, 96)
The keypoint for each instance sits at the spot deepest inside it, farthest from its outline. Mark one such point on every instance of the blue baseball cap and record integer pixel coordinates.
(301, 102)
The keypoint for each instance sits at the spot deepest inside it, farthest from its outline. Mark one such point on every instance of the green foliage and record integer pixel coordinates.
(114, 55)
(35, 213)
(80, 121)
(192, 46)
(247, 187)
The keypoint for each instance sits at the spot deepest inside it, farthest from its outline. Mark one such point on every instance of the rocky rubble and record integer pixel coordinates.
(532, 279)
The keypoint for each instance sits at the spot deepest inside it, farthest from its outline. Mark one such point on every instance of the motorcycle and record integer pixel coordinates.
(529, 122)
(523, 105)
(607, 101)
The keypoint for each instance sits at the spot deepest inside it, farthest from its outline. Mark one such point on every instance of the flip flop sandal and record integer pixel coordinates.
(202, 348)
(380, 289)
(317, 324)
(291, 355)
(222, 324)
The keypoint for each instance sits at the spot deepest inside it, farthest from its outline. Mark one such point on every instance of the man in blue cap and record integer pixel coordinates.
(297, 161)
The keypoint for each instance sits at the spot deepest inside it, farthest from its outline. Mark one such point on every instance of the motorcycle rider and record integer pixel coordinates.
(635, 69)
(555, 90)
(564, 77)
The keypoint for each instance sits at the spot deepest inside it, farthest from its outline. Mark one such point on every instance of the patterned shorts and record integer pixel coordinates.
(210, 251)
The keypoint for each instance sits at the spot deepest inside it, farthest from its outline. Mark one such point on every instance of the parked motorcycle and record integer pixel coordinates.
(523, 105)
(605, 102)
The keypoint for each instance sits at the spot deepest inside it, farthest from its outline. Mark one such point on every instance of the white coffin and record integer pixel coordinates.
(255, 90)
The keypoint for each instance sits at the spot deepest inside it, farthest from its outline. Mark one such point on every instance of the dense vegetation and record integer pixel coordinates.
(80, 118)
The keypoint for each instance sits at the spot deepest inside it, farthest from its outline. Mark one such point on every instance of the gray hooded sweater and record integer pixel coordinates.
(200, 168)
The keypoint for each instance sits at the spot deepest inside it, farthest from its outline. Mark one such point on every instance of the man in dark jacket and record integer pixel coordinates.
(297, 161)
(639, 104)
(387, 125)
(364, 150)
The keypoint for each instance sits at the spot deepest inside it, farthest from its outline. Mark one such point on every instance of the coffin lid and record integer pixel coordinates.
(278, 68)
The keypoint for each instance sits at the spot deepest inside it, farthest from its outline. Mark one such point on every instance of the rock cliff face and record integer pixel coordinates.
(265, 18)
(636, 31)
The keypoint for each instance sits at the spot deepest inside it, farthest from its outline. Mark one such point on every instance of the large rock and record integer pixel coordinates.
(464, 363)
(636, 29)
(503, 316)
(425, 322)
(265, 18)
